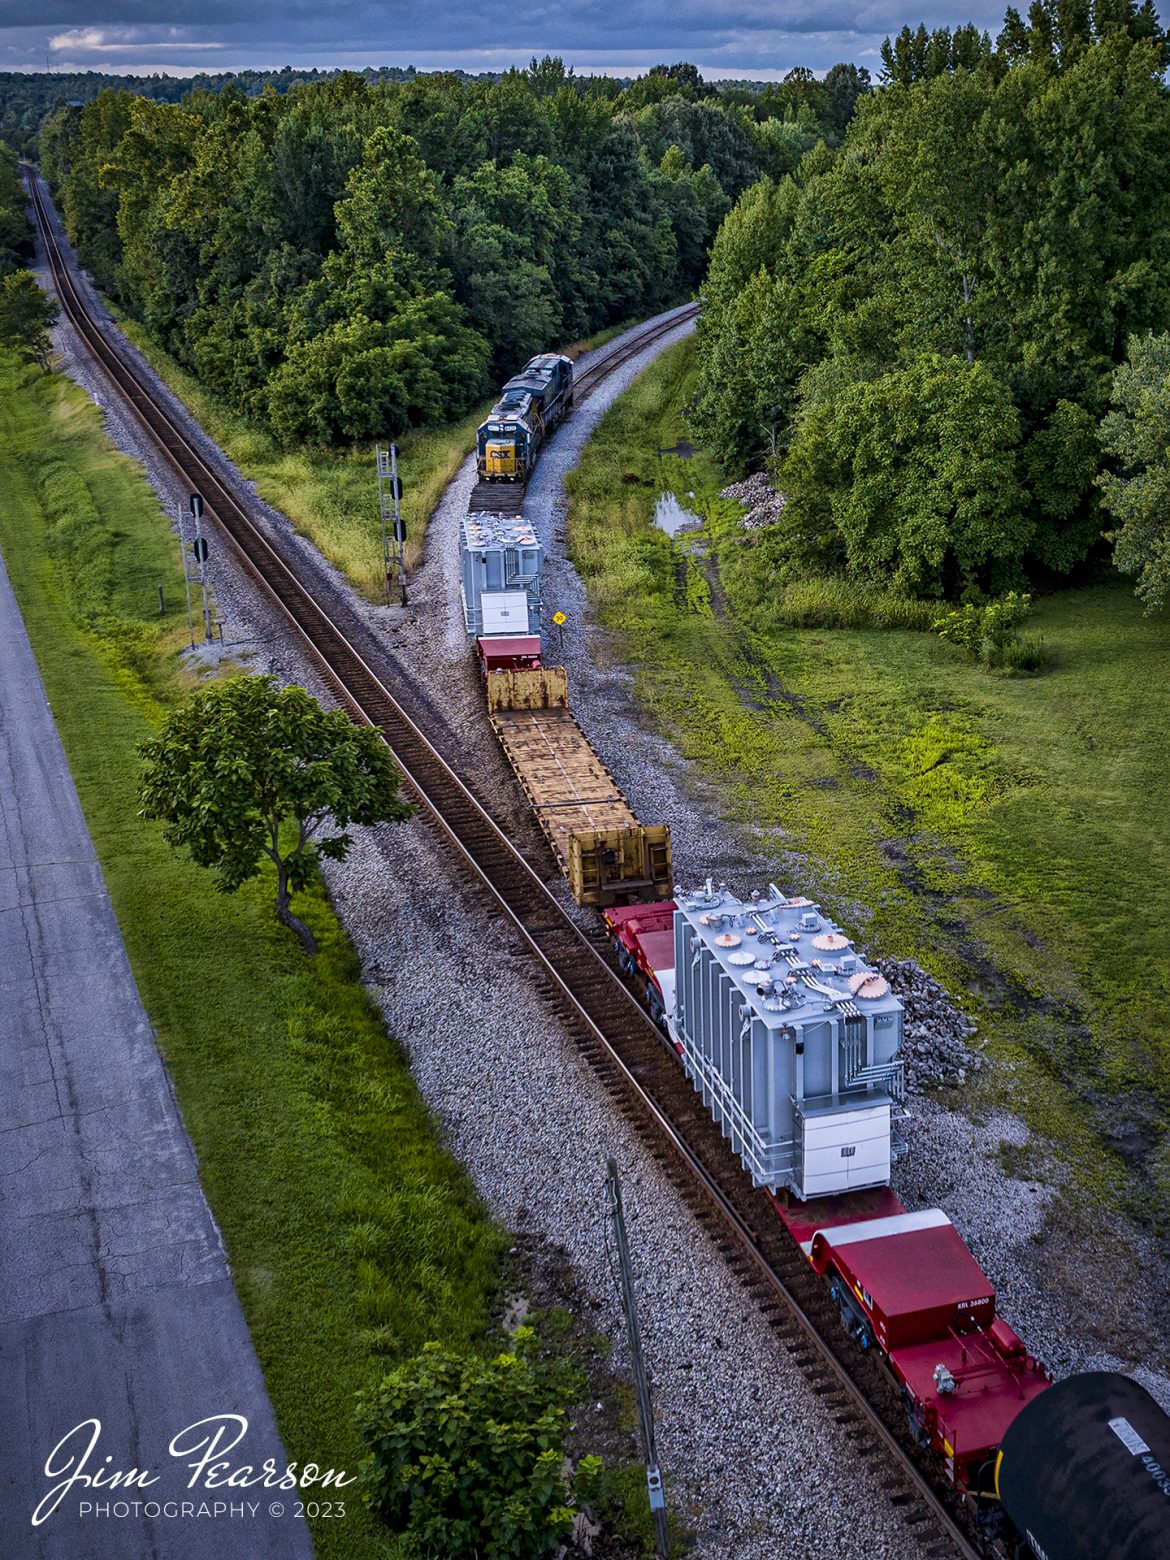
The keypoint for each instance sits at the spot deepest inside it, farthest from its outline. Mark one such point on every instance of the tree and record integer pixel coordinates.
(391, 201)
(548, 75)
(1010, 210)
(916, 473)
(467, 1455)
(15, 233)
(26, 315)
(1137, 433)
(246, 770)
(344, 258)
(844, 86)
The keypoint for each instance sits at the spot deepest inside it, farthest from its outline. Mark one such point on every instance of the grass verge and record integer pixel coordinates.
(354, 1235)
(330, 497)
(1008, 833)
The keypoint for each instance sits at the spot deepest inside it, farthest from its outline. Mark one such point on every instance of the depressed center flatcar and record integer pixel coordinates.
(530, 406)
(794, 1043)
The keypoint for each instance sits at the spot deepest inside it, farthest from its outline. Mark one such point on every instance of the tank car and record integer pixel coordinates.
(1084, 1471)
(530, 406)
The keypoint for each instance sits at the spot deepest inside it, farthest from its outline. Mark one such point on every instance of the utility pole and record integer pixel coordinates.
(613, 1193)
(390, 515)
(186, 576)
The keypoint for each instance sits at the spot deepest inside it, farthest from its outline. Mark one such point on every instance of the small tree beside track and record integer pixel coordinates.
(246, 770)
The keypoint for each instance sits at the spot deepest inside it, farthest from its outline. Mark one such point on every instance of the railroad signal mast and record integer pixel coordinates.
(390, 516)
(198, 551)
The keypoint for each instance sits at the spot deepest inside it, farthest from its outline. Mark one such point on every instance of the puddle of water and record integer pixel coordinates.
(671, 517)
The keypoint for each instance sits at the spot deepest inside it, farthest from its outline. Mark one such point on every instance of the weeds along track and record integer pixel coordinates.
(634, 1062)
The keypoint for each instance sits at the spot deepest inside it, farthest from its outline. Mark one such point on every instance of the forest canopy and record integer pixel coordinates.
(918, 331)
(352, 257)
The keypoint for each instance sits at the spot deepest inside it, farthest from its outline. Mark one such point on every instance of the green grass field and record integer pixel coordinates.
(1010, 834)
(353, 1234)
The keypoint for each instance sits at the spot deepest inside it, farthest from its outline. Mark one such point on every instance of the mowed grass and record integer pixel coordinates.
(1011, 834)
(353, 1234)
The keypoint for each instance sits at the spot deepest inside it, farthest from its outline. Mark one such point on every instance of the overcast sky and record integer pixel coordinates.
(722, 37)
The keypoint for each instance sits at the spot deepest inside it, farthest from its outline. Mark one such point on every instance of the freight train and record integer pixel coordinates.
(794, 1043)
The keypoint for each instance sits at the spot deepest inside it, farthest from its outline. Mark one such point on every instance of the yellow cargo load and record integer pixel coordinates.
(606, 854)
(545, 688)
(610, 865)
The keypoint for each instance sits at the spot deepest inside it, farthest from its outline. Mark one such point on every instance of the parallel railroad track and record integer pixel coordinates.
(634, 1062)
(507, 498)
(629, 346)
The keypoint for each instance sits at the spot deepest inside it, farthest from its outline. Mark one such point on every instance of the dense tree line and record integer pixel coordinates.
(16, 241)
(26, 313)
(919, 331)
(351, 257)
(26, 97)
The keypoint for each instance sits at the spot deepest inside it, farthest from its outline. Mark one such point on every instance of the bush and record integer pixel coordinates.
(985, 631)
(467, 1455)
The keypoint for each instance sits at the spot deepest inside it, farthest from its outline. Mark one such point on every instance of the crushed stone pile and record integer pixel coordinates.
(935, 1034)
(763, 504)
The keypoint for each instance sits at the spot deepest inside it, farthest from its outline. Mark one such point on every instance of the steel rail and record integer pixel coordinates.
(629, 345)
(583, 980)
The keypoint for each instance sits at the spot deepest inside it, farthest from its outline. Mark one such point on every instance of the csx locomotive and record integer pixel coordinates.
(530, 406)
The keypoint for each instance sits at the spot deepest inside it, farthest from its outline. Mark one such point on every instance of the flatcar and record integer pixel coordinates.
(606, 854)
(530, 406)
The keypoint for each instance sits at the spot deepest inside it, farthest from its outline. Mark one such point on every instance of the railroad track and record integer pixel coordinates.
(627, 347)
(628, 1052)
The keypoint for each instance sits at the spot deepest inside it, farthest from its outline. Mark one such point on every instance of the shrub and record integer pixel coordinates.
(984, 631)
(467, 1455)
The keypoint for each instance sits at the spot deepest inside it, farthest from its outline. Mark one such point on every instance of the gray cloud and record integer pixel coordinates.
(743, 37)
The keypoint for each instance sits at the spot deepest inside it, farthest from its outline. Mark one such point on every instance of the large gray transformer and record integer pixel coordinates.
(500, 568)
(791, 1038)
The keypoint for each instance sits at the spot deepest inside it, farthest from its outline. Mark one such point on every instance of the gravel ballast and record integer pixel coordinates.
(749, 1454)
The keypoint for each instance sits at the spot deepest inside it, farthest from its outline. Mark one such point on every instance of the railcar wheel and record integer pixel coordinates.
(854, 1323)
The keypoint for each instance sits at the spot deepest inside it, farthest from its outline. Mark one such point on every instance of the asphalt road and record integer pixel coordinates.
(116, 1302)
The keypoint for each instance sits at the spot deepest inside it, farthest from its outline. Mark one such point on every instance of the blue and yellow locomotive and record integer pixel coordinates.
(530, 406)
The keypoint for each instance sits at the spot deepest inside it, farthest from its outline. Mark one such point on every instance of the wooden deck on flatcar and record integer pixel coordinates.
(570, 789)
